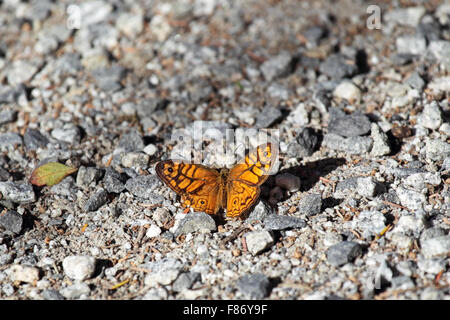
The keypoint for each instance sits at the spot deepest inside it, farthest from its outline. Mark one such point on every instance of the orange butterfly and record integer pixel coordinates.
(208, 190)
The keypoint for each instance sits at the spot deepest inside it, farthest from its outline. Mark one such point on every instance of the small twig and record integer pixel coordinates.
(235, 234)
(394, 205)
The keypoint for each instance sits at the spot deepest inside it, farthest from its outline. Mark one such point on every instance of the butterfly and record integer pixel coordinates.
(209, 190)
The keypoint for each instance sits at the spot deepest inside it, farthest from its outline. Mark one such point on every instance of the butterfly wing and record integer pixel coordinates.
(245, 178)
(197, 184)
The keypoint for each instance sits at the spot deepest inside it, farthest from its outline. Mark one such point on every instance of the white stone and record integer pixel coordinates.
(150, 149)
(258, 241)
(153, 231)
(438, 246)
(411, 199)
(79, 267)
(24, 273)
(348, 91)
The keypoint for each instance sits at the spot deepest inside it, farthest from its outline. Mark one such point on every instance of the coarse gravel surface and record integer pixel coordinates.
(359, 207)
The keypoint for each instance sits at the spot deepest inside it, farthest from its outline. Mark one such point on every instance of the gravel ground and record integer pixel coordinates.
(359, 208)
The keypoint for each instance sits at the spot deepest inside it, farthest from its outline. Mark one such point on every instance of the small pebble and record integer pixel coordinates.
(97, 200)
(17, 192)
(196, 222)
(79, 267)
(278, 222)
(343, 252)
(310, 204)
(255, 286)
(11, 221)
(76, 291)
(258, 241)
(24, 273)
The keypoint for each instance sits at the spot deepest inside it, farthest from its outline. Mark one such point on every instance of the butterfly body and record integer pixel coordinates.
(209, 190)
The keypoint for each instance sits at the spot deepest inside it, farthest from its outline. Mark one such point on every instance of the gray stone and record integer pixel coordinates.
(352, 145)
(288, 181)
(437, 150)
(370, 223)
(75, 291)
(52, 294)
(93, 12)
(440, 83)
(355, 124)
(108, 78)
(21, 71)
(260, 212)
(97, 200)
(68, 63)
(34, 139)
(431, 117)
(79, 267)
(440, 49)
(402, 283)
(65, 188)
(419, 180)
(255, 286)
(7, 116)
(277, 66)
(135, 160)
(411, 44)
(267, 117)
(367, 187)
(406, 16)
(411, 199)
(298, 116)
(304, 145)
(337, 66)
(161, 216)
(87, 175)
(113, 181)
(12, 94)
(9, 140)
(415, 81)
(69, 133)
(196, 222)
(433, 232)
(17, 192)
(436, 246)
(258, 241)
(310, 204)
(4, 175)
(11, 221)
(143, 186)
(164, 271)
(343, 252)
(277, 222)
(131, 141)
(185, 281)
(381, 145)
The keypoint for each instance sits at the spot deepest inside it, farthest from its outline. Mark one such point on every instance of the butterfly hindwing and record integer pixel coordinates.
(245, 178)
(197, 184)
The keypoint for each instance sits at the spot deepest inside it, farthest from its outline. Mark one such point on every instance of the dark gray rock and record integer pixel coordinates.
(304, 144)
(196, 222)
(277, 66)
(314, 34)
(66, 188)
(351, 145)
(96, 200)
(255, 286)
(9, 140)
(4, 175)
(415, 81)
(131, 141)
(17, 192)
(338, 66)
(143, 186)
(267, 117)
(343, 252)
(52, 294)
(11, 221)
(277, 222)
(260, 212)
(353, 125)
(310, 204)
(87, 175)
(11, 94)
(108, 79)
(185, 281)
(113, 181)
(7, 116)
(34, 139)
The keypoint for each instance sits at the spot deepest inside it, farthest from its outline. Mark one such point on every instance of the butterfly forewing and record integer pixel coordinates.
(197, 184)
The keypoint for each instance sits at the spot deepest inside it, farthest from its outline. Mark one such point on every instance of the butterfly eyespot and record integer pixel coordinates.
(202, 201)
(170, 169)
